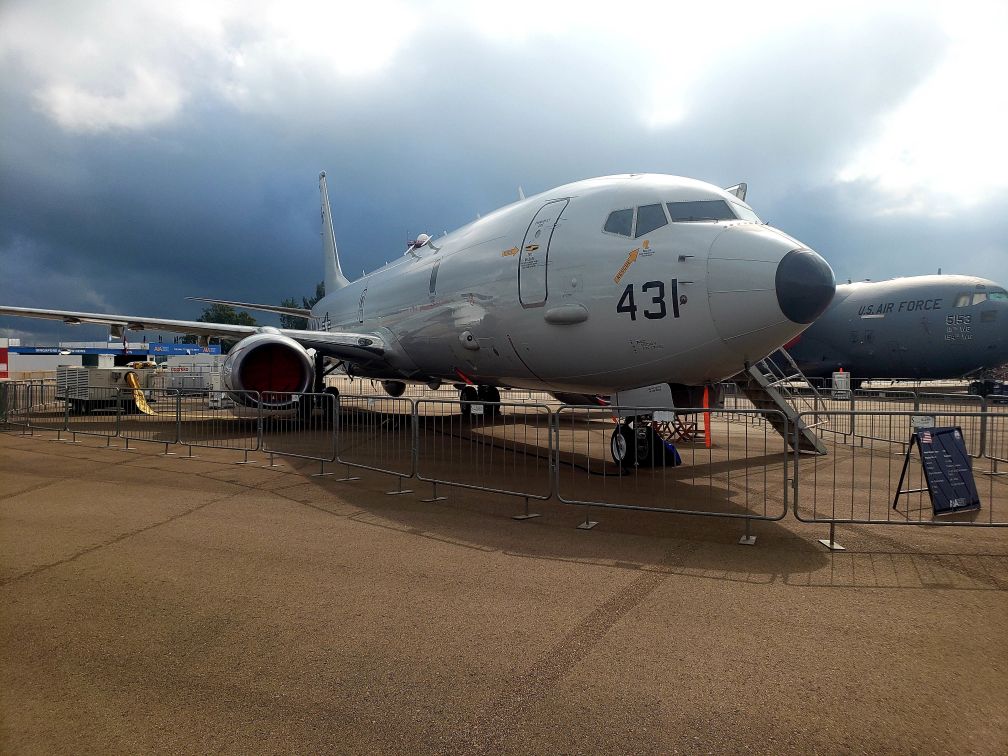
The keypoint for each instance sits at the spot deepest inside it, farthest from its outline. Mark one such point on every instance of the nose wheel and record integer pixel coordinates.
(487, 398)
(621, 446)
(636, 443)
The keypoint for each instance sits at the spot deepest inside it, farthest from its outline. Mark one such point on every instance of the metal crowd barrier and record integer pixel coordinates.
(309, 432)
(996, 431)
(973, 424)
(736, 477)
(537, 451)
(503, 448)
(17, 405)
(221, 420)
(98, 418)
(160, 428)
(44, 411)
(376, 433)
(857, 483)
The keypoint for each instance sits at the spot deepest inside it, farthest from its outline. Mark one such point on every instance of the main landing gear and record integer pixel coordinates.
(635, 442)
(484, 400)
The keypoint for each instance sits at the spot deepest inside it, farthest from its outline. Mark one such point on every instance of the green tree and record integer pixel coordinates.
(293, 321)
(219, 313)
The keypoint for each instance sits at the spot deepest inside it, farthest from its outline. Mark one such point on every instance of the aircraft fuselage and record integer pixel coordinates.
(921, 327)
(556, 291)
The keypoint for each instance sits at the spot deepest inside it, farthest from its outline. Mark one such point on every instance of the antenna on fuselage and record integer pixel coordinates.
(739, 190)
(521, 192)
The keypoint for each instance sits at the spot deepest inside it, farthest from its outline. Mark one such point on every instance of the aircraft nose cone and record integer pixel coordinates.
(804, 285)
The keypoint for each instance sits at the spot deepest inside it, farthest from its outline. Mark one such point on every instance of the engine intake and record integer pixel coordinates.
(274, 365)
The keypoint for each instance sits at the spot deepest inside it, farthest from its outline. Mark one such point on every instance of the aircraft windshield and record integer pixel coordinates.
(700, 210)
(999, 295)
(745, 213)
(649, 217)
(619, 222)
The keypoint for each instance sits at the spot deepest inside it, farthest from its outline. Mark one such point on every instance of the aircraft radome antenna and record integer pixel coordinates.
(521, 192)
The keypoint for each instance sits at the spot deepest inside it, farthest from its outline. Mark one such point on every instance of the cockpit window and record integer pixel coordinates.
(745, 213)
(998, 295)
(649, 217)
(962, 299)
(700, 210)
(979, 296)
(619, 222)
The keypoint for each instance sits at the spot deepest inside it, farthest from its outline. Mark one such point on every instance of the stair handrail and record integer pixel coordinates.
(811, 402)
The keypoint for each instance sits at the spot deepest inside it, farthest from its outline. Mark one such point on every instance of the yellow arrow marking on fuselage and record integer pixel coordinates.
(631, 258)
(509, 252)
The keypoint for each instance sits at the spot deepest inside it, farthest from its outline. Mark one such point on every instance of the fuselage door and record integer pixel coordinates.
(534, 257)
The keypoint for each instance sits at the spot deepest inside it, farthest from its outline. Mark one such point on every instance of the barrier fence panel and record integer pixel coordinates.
(17, 408)
(307, 433)
(220, 420)
(149, 415)
(98, 416)
(996, 431)
(744, 473)
(869, 419)
(7, 390)
(857, 482)
(972, 424)
(502, 448)
(376, 433)
(45, 410)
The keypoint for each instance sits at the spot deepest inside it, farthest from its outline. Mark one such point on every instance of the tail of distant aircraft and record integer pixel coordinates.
(334, 278)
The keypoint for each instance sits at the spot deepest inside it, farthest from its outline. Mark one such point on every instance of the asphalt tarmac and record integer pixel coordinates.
(154, 603)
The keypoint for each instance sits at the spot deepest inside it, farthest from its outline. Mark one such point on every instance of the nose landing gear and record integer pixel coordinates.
(486, 398)
(636, 443)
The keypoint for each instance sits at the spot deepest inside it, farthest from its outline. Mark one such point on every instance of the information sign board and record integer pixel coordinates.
(948, 470)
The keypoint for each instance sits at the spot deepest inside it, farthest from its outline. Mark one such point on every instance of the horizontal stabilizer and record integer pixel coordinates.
(295, 311)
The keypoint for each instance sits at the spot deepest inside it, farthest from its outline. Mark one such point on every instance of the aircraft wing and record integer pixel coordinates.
(341, 344)
(299, 312)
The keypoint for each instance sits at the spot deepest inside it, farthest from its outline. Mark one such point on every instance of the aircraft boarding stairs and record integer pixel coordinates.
(769, 386)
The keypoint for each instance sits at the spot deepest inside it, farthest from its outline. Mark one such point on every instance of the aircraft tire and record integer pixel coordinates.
(641, 446)
(490, 397)
(623, 446)
(331, 409)
(468, 396)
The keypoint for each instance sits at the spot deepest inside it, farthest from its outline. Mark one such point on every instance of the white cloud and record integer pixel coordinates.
(105, 65)
(943, 146)
(149, 98)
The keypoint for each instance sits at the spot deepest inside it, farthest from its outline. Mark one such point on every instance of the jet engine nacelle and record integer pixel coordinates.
(275, 366)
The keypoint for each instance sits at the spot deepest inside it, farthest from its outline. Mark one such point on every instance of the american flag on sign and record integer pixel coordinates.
(926, 437)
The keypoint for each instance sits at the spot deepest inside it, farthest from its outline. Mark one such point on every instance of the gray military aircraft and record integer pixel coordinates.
(590, 288)
(920, 327)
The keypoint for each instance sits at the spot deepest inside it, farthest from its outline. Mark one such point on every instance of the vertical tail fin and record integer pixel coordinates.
(334, 278)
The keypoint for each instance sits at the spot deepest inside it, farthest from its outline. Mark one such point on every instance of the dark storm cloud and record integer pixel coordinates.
(221, 200)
